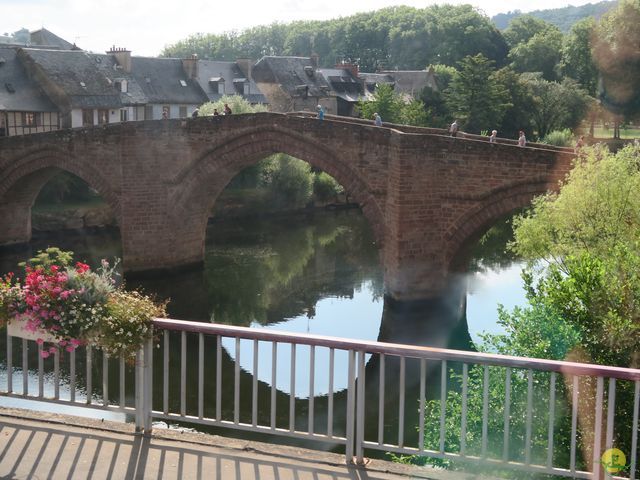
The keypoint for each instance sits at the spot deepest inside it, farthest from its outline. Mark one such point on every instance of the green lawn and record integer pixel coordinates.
(629, 133)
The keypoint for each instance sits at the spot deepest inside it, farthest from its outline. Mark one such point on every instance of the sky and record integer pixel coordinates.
(145, 27)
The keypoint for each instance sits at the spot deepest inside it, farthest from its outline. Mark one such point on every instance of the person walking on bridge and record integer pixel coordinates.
(453, 129)
(377, 119)
(493, 137)
(522, 140)
(320, 112)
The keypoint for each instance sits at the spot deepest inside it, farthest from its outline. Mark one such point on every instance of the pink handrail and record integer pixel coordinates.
(431, 353)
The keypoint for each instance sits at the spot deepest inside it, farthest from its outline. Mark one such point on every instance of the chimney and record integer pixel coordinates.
(352, 67)
(190, 66)
(123, 57)
(315, 60)
(244, 64)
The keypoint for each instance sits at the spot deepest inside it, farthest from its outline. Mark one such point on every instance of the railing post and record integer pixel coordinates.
(147, 398)
(349, 431)
(144, 387)
(139, 376)
(360, 410)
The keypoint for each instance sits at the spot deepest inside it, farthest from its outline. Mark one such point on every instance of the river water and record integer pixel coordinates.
(310, 273)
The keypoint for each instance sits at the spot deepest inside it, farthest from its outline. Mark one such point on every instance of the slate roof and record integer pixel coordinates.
(108, 66)
(296, 75)
(412, 81)
(230, 71)
(45, 38)
(405, 82)
(26, 96)
(343, 84)
(160, 81)
(79, 75)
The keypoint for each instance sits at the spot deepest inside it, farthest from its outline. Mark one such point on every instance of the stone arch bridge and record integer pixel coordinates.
(425, 194)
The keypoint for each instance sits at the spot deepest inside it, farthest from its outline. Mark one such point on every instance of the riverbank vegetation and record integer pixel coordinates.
(582, 287)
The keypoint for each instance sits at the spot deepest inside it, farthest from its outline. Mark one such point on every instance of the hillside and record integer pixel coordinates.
(563, 18)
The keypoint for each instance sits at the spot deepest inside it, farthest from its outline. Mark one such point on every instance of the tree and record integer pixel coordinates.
(577, 59)
(584, 254)
(517, 115)
(385, 102)
(555, 106)
(523, 29)
(617, 54)
(474, 96)
(236, 103)
(541, 53)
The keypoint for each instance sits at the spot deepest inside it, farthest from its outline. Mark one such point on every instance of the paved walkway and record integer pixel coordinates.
(35, 445)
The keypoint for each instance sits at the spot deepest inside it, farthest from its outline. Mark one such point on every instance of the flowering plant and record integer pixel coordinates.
(77, 306)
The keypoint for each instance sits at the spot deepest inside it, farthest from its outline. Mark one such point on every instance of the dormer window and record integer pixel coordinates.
(216, 85)
(121, 85)
(241, 86)
(9, 87)
(308, 69)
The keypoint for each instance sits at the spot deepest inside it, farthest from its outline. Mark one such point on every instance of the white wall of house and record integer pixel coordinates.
(76, 117)
(21, 123)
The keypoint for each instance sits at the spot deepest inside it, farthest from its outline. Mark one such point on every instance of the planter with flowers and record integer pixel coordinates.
(64, 305)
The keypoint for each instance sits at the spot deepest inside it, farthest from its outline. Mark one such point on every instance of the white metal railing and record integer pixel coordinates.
(496, 412)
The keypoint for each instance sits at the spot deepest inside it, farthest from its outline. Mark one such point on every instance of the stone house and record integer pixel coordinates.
(293, 84)
(24, 108)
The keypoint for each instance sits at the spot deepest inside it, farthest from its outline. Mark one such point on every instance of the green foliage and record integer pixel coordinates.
(48, 257)
(577, 59)
(414, 113)
(290, 181)
(616, 49)
(385, 102)
(541, 53)
(402, 37)
(127, 322)
(475, 97)
(325, 187)
(555, 106)
(64, 187)
(587, 236)
(236, 102)
(559, 138)
(563, 18)
(524, 28)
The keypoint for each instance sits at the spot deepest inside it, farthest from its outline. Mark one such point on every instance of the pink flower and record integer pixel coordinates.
(39, 341)
(44, 354)
(70, 348)
(53, 349)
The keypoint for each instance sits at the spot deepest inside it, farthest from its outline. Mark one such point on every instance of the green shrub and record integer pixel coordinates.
(559, 138)
(325, 187)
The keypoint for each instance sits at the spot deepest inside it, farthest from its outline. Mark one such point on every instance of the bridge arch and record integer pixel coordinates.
(195, 188)
(490, 207)
(26, 176)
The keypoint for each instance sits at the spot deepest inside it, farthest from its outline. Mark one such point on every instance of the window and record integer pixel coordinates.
(121, 85)
(87, 118)
(148, 112)
(183, 112)
(29, 119)
(124, 115)
(216, 85)
(103, 117)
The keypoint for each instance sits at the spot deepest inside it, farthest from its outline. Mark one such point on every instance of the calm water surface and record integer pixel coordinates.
(317, 274)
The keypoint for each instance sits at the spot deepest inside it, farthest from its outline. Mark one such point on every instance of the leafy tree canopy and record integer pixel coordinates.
(475, 97)
(402, 37)
(584, 254)
(617, 54)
